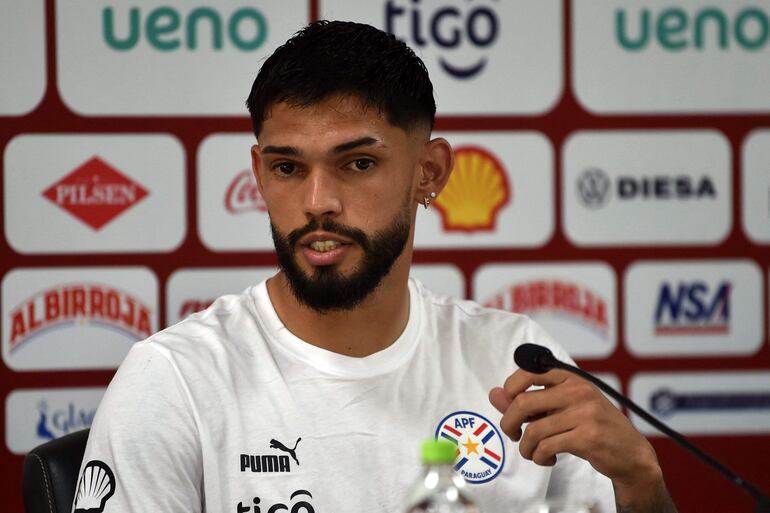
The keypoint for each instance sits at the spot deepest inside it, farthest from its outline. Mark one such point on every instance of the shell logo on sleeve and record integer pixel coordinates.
(480, 449)
(477, 190)
(96, 486)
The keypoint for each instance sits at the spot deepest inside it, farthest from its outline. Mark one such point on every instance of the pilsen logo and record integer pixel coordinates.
(557, 296)
(476, 191)
(95, 193)
(242, 195)
(81, 304)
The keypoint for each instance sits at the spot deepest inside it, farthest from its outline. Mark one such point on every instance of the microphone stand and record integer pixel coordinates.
(762, 501)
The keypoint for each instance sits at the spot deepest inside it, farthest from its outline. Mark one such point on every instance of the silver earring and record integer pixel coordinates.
(426, 199)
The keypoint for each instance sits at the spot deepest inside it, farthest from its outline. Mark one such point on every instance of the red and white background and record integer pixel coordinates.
(612, 182)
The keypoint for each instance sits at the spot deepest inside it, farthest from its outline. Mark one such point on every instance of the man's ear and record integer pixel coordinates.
(436, 165)
(256, 166)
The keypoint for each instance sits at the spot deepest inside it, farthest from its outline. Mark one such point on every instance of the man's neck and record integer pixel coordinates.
(361, 331)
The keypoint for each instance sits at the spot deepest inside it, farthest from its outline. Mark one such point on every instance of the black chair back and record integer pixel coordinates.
(51, 474)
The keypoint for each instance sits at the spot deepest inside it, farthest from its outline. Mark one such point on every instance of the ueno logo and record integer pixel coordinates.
(676, 30)
(242, 195)
(693, 308)
(79, 303)
(166, 29)
(447, 28)
(557, 296)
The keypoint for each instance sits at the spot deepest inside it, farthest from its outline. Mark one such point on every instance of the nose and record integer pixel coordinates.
(322, 195)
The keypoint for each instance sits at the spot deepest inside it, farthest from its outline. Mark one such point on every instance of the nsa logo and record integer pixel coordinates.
(480, 450)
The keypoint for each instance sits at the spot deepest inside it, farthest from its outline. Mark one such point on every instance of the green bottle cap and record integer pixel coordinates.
(438, 452)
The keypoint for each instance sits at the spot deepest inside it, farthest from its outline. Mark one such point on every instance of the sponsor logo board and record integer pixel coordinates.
(22, 57)
(647, 187)
(94, 193)
(232, 215)
(693, 308)
(484, 57)
(500, 193)
(755, 186)
(75, 318)
(574, 302)
(440, 278)
(692, 48)
(704, 403)
(37, 416)
(195, 289)
(135, 57)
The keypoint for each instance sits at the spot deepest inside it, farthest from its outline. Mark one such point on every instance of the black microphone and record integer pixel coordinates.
(539, 360)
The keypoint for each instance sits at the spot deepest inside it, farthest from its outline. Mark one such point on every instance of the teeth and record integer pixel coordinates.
(324, 245)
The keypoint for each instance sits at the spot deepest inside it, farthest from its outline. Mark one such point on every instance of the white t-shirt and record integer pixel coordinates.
(229, 412)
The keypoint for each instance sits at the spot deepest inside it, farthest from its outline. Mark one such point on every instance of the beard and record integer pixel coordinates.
(327, 289)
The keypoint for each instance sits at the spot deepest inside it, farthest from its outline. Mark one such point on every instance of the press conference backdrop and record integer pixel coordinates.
(612, 181)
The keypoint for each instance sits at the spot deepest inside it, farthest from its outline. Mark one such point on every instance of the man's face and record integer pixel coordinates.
(339, 184)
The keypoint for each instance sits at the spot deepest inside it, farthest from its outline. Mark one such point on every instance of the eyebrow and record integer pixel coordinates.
(291, 151)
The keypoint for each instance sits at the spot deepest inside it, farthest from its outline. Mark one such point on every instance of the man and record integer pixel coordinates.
(313, 390)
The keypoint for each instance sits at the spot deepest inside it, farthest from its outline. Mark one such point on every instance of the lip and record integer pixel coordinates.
(322, 236)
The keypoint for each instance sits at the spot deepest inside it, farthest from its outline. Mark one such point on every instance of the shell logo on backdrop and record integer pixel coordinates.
(476, 191)
(95, 193)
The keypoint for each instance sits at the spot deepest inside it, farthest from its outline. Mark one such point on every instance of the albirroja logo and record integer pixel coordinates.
(477, 190)
(79, 303)
(242, 195)
(557, 296)
(95, 193)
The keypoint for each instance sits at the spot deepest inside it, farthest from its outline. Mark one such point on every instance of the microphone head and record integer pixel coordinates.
(534, 358)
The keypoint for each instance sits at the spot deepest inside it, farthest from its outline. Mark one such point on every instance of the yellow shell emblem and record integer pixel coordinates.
(476, 191)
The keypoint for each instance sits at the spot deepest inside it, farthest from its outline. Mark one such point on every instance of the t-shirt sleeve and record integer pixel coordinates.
(143, 452)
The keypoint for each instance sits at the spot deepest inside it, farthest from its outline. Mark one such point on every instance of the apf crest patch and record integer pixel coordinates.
(480, 448)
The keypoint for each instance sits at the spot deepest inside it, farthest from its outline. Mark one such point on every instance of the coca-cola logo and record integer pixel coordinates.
(243, 195)
(95, 193)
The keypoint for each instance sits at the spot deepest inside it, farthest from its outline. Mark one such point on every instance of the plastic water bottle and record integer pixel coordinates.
(440, 489)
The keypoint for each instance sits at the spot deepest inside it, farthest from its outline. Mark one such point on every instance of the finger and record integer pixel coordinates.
(499, 399)
(546, 451)
(521, 380)
(544, 428)
(531, 405)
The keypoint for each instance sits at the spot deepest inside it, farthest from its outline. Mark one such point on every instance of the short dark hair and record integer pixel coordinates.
(341, 57)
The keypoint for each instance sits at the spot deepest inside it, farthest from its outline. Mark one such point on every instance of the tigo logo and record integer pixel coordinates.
(95, 193)
(448, 27)
(676, 30)
(99, 304)
(242, 195)
(477, 190)
(168, 29)
(693, 309)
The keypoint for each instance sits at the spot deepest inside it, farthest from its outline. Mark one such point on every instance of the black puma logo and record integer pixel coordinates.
(275, 444)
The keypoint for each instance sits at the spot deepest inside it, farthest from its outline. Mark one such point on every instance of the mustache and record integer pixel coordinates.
(331, 226)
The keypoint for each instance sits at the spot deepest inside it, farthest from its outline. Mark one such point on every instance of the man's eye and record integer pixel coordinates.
(362, 164)
(285, 168)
